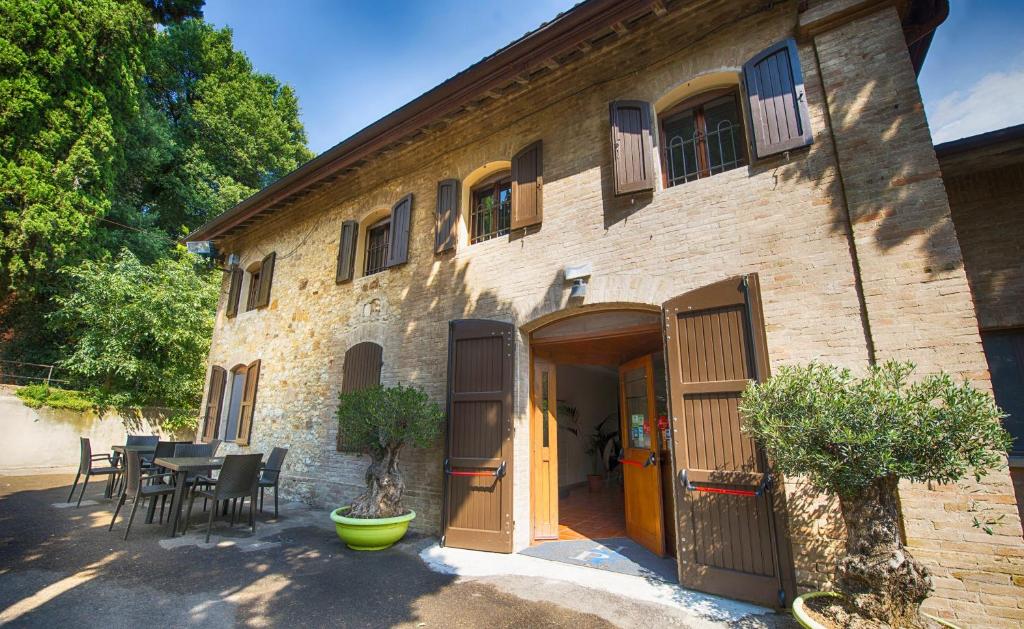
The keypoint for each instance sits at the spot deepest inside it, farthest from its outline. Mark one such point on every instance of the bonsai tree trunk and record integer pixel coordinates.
(384, 487)
(881, 579)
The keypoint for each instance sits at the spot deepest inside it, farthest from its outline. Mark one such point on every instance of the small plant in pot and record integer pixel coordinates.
(856, 438)
(381, 421)
(599, 439)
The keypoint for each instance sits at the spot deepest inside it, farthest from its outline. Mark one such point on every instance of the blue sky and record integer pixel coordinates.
(352, 62)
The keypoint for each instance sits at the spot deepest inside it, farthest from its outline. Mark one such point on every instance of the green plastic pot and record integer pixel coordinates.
(800, 611)
(370, 533)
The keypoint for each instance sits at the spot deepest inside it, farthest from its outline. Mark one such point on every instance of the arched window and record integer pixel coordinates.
(702, 136)
(254, 285)
(244, 382)
(490, 203)
(361, 370)
(378, 238)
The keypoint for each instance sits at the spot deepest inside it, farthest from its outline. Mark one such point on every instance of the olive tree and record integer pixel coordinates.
(381, 421)
(856, 438)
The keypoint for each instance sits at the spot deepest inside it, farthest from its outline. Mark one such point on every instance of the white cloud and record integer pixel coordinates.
(995, 101)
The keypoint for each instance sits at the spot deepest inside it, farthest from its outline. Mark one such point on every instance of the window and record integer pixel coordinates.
(242, 402)
(1004, 350)
(361, 370)
(252, 301)
(491, 208)
(703, 137)
(377, 240)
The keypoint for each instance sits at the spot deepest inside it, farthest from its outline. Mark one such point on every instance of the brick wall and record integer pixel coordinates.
(784, 218)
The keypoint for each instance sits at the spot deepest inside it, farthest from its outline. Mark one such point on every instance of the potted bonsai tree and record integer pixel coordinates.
(381, 421)
(856, 438)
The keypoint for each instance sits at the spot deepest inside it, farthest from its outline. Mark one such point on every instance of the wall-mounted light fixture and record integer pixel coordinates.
(578, 275)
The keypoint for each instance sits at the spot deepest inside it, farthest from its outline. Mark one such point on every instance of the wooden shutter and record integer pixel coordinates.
(777, 103)
(632, 147)
(447, 219)
(234, 291)
(401, 217)
(347, 251)
(527, 186)
(732, 532)
(361, 370)
(248, 405)
(214, 395)
(478, 456)
(266, 280)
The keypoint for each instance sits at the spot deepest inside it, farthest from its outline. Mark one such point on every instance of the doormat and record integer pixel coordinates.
(615, 554)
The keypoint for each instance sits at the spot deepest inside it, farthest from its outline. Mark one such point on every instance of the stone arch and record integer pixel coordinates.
(565, 314)
(704, 82)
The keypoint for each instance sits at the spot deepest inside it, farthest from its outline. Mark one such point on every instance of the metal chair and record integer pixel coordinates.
(138, 489)
(271, 474)
(85, 467)
(238, 479)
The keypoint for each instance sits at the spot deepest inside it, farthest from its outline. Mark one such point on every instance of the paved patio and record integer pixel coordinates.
(60, 566)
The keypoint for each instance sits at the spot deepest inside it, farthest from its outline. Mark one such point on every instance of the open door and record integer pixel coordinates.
(544, 450)
(730, 511)
(478, 454)
(641, 474)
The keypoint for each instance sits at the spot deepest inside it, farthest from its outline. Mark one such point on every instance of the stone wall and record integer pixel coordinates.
(785, 218)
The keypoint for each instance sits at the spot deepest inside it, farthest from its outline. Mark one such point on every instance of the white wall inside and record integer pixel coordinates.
(594, 391)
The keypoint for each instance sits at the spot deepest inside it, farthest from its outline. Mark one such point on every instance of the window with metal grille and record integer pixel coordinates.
(702, 137)
(491, 209)
(377, 241)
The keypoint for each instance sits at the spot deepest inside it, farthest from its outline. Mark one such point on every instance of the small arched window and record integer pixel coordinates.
(490, 203)
(703, 136)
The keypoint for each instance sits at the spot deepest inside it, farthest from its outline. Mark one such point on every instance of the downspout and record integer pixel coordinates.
(858, 282)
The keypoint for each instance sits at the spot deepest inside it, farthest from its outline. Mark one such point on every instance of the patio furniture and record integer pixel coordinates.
(119, 452)
(182, 468)
(138, 489)
(238, 479)
(271, 474)
(85, 467)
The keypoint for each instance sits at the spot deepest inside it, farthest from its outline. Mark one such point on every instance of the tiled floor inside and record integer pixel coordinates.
(592, 515)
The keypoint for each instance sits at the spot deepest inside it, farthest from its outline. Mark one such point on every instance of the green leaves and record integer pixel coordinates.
(843, 432)
(380, 419)
(141, 333)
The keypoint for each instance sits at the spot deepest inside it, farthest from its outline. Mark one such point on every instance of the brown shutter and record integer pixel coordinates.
(214, 395)
(401, 217)
(632, 147)
(478, 509)
(527, 186)
(347, 251)
(777, 103)
(361, 370)
(234, 291)
(266, 280)
(447, 218)
(362, 366)
(248, 405)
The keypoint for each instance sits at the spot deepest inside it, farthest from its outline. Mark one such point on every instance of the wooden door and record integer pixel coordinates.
(544, 450)
(641, 474)
(731, 523)
(478, 457)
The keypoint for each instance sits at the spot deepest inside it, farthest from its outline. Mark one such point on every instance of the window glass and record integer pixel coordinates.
(703, 140)
(254, 289)
(234, 404)
(637, 421)
(491, 210)
(1005, 353)
(377, 247)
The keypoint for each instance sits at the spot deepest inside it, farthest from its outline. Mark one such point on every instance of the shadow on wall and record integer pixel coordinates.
(48, 439)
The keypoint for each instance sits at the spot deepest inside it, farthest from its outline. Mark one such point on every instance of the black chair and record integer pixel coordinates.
(271, 474)
(238, 479)
(138, 489)
(85, 467)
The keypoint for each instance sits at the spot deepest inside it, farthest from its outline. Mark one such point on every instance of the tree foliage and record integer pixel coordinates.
(843, 433)
(377, 419)
(140, 332)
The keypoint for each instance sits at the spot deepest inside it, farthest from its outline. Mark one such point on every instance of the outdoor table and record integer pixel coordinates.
(123, 450)
(182, 466)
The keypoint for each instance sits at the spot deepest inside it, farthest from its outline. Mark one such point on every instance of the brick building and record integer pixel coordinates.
(763, 171)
